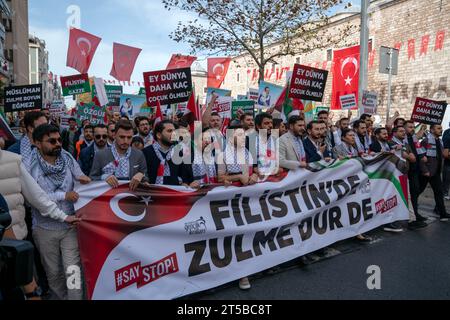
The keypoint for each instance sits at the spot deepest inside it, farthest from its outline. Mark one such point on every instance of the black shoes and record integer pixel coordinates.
(417, 225)
(393, 227)
(445, 217)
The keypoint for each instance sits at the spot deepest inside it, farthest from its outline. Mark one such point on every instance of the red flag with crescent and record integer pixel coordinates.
(110, 215)
(345, 74)
(125, 58)
(82, 47)
(424, 46)
(217, 71)
(440, 37)
(179, 61)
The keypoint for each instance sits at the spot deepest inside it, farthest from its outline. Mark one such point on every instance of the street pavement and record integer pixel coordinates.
(413, 265)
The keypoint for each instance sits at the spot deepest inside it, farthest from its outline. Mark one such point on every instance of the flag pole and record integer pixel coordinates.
(364, 53)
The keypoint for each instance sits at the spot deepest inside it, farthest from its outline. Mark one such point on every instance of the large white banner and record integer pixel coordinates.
(165, 243)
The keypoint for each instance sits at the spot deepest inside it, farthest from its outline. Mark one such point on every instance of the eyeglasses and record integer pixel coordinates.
(54, 141)
(99, 136)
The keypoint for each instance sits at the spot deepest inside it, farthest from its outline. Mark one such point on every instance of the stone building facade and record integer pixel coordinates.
(420, 29)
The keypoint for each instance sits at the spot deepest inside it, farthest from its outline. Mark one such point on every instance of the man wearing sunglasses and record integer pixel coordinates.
(56, 171)
(100, 142)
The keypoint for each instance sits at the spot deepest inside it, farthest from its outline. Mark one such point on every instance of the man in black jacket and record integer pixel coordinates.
(161, 167)
(315, 147)
(100, 142)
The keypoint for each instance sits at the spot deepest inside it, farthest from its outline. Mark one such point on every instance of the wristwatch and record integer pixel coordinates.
(35, 294)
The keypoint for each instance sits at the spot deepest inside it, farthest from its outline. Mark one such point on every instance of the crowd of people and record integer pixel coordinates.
(39, 172)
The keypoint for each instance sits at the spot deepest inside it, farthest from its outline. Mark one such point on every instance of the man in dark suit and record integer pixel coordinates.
(381, 144)
(100, 142)
(431, 168)
(121, 161)
(162, 169)
(315, 147)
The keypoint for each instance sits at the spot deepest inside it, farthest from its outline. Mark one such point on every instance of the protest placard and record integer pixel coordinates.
(348, 102)
(253, 94)
(428, 111)
(218, 92)
(370, 102)
(248, 106)
(133, 106)
(113, 94)
(57, 108)
(268, 95)
(76, 84)
(168, 86)
(308, 83)
(95, 114)
(23, 98)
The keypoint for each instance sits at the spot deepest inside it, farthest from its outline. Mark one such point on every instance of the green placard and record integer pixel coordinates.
(113, 93)
(142, 91)
(90, 111)
(248, 106)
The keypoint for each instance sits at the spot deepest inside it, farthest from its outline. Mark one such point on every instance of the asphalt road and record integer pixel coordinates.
(413, 265)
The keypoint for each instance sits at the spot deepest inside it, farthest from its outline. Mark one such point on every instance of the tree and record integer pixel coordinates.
(263, 29)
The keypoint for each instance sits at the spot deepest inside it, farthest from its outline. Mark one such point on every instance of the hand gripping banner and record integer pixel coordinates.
(163, 242)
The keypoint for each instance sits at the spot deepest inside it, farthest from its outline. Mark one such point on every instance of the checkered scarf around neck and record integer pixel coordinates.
(57, 172)
(399, 142)
(26, 150)
(164, 168)
(362, 148)
(204, 172)
(419, 149)
(120, 167)
(432, 148)
(232, 160)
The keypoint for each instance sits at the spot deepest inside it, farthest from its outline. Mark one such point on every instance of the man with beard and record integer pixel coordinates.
(111, 133)
(292, 152)
(23, 147)
(404, 136)
(56, 171)
(264, 147)
(86, 142)
(143, 126)
(121, 161)
(381, 143)
(431, 168)
(162, 169)
(100, 142)
(315, 148)
(361, 139)
(248, 123)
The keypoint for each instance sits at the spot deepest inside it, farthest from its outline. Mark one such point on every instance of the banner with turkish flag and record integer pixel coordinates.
(217, 71)
(345, 75)
(167, 242)
(125, 58)
(82, 47)
(179, 61)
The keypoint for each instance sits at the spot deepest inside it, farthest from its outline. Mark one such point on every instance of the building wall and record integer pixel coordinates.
(394, 22)
(17, 41)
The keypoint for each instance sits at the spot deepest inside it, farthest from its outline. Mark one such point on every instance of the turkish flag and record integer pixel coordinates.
(424, 47)
(440, 37)
(82, 47)
(217, 71)
(113, 214)
(179, 61)
(158, 113)
(192, 112)
(124, 61)
(345, 74)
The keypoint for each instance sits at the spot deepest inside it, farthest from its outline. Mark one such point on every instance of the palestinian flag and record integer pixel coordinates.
(286, 106)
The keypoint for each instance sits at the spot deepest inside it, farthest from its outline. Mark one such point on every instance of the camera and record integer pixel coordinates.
(16, 259)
